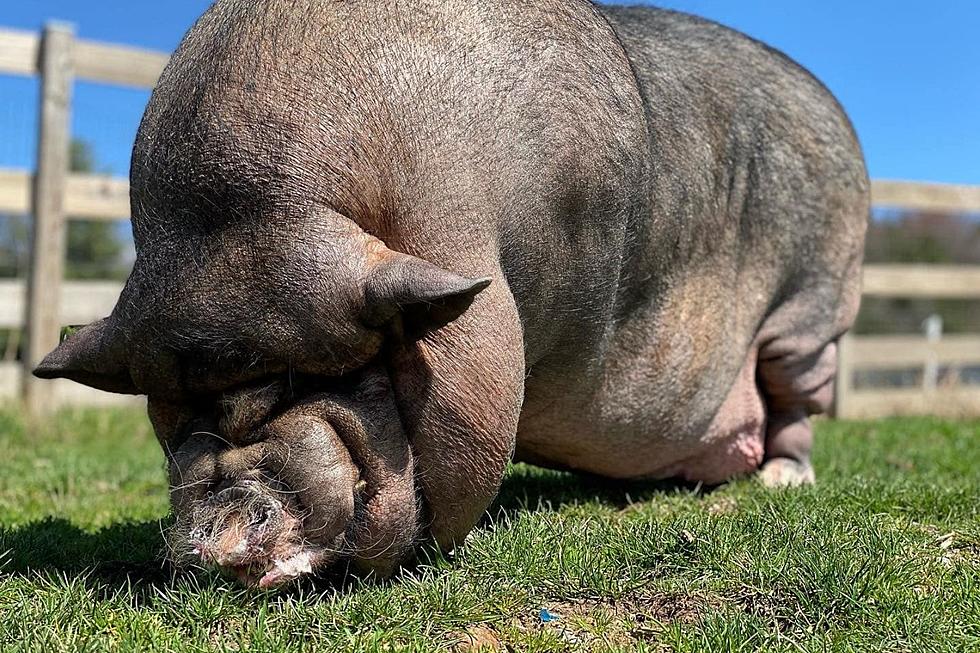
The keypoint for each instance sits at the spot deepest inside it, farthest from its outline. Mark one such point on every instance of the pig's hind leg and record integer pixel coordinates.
(798, 364)
(796, 376)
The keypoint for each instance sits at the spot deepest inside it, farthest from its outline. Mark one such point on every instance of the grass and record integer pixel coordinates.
(883, 554)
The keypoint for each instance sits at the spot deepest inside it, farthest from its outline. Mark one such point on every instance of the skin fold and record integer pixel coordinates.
(329, 477)
(383, 248)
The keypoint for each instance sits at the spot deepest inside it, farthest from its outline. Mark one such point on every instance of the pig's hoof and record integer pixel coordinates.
(786, 472)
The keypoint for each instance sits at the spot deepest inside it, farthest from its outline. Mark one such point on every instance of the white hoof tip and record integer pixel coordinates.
(785, 472)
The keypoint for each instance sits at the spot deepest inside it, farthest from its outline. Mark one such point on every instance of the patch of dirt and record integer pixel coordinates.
(589, 623)
(586, 624)
(476, 639)
(222, 635)
(677, 607)
(947, 548)
(900, 463)
(778, 607)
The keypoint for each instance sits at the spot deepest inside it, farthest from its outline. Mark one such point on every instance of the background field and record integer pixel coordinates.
(884, 554)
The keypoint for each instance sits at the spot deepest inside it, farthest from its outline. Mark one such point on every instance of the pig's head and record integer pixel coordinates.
(254, 360)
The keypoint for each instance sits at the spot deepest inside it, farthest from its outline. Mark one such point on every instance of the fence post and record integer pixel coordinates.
(933, 327)
(844, 384)
(47, 253)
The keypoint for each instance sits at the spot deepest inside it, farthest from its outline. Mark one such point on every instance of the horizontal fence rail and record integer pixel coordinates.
(950, 198)
(926, 354)
(922, 281)
(956, 402)
(891, 352)
(53, 195)
(92, 61)
(81, 301)
(90, 197)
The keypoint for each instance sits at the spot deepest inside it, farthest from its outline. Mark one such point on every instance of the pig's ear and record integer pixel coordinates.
(426, 295)
(92, 357)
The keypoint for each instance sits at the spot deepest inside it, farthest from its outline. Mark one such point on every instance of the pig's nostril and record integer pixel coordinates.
(265, 516)
(260, 516)
(247, 506)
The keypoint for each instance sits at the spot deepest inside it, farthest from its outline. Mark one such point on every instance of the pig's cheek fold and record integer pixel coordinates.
(321, 473)
(243, 462)
(388, 525)
(388, 531)
(193, 469)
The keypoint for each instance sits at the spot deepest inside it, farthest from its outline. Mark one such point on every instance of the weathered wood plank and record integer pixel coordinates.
(961, 401)
(922, 281)
(9, 380)
(925, 196)
(81, 301)
(97, 197)
(91, 197)
(11, 303)
(118, 64)
(48, 235)
(911, 351)
(844, 382)
(94, 61)
(15, 191)
(19, 52)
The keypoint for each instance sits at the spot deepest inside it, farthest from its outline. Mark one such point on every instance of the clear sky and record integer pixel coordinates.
(908, 73)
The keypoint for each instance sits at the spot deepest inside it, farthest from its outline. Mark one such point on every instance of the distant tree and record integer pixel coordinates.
(95, 247)
(924, 237)
(13, 245)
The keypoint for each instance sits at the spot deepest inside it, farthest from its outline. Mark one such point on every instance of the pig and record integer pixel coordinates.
(384, 248)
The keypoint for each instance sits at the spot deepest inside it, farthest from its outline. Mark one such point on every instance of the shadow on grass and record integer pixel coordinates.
(118, 553)
(131, 554)
(121, 556)
(533, 489)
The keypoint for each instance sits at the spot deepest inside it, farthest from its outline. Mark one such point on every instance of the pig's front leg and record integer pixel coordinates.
(459, 390)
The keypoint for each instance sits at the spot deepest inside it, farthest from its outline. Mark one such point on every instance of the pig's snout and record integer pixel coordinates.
(258, 512)
(272, 510)
(250, 534)
(239, 526)
(289, 498)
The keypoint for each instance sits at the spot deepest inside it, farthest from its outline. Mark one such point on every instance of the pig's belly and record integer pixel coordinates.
(731, 445)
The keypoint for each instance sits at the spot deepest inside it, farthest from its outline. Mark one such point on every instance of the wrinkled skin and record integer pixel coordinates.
(269, 495)
(385, 247)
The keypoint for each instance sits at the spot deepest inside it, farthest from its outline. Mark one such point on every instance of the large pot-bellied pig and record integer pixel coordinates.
(384, 247)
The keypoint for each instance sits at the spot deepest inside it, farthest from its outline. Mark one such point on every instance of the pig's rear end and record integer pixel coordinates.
(741, 279)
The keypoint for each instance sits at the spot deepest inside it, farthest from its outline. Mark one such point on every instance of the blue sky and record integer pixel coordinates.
(907, 72)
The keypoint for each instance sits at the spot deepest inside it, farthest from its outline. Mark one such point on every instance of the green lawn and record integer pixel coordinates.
(883, 554)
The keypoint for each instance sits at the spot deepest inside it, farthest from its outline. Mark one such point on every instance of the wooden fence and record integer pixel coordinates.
(52, 196)
(864, 353)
